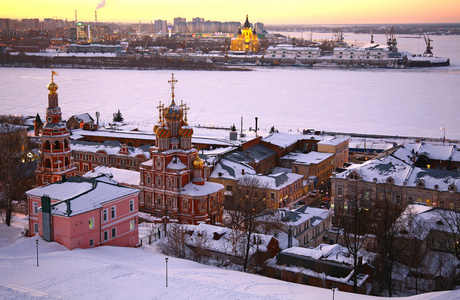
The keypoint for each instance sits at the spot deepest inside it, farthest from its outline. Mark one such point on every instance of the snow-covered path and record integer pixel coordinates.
(127, 273)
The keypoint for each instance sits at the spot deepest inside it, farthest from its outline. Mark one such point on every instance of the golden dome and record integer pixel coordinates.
(198, 162)
(52, 87)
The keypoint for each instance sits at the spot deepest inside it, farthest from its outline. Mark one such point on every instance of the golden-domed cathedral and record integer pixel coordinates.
(173, 184)
(55, 155)
(246, 39)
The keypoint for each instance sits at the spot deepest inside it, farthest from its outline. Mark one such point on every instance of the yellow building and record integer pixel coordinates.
(246, 39)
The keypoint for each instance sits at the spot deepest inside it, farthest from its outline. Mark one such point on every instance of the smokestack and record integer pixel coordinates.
(95, 15)
(76, 20)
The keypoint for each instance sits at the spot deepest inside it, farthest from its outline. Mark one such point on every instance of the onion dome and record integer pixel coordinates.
(155, 127)
(186, 132)
(163, 132)
(173, 112)
(198, 162)
(52, 87)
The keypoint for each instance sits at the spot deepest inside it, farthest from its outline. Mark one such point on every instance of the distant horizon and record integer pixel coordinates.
(271, 12)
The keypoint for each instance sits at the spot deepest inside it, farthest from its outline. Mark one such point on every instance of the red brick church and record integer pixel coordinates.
(173, 184)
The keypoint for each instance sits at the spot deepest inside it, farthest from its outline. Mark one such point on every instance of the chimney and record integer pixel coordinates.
(69, 211)
(257, 118)
(289, 237)
(95, 15)
(242, 171)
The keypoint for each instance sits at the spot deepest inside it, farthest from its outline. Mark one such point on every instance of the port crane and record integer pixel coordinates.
(428, 52)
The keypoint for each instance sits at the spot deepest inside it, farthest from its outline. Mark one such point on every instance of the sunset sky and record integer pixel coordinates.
(266, 11)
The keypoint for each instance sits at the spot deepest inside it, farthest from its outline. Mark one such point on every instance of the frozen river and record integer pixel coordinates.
(413, 102)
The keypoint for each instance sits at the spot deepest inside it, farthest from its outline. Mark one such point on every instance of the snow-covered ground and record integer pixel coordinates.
(136, 273)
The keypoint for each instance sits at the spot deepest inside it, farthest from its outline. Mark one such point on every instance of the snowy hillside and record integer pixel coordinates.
(127, 273)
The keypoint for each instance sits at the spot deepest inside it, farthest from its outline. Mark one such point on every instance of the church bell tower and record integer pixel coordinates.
(55, 154)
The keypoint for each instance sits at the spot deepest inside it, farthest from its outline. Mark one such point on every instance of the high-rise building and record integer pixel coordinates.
(180, 25)
(161, 26)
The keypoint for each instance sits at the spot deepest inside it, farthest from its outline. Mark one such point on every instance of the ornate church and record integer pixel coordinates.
(246, 39)
(173, 184)
(55, 155)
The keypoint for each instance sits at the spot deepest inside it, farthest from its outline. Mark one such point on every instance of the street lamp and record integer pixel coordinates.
(444, 136)
(166, 259)
(333, 288)
(36, 241)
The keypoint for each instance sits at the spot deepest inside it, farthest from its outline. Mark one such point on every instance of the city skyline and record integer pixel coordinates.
(269, 12)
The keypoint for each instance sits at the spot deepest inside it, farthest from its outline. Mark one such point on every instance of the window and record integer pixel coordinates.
(91, 223)
(35, 208)
(339, 191)
(35, 227)
(104, 215)
(114, 232)
(112, 212)
(106, 235)
(131, 225)
(131, 205)
(91, 242)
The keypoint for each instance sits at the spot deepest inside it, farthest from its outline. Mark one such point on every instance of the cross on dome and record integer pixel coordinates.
(184, 108)
(173, 81)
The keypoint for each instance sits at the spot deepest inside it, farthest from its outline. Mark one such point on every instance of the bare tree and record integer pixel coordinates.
(248, 202)
(384, 214)
(449, 237)
(174, 243)
(14, 180)
(354, 226)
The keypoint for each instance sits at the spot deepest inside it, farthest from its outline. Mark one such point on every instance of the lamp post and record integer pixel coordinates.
(166, 259)
(36, 241)
(333, 288)
(444, 136)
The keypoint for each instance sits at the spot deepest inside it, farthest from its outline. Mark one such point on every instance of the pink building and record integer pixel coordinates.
(85, 212)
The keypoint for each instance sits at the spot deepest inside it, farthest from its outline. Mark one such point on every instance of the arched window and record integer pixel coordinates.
(66, 161)
(57, 145)
(47, 145)
(47, 163)
(66, 144)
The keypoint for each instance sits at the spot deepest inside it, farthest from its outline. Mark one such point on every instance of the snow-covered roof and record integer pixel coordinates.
(226, 240)
(275, 181)
(109, 147)
(83, 194)
(417, 221)
(83, 118)
(117, 134)
(312, 157)
(403, 174)
(435, 152)
(119, 175)
(333, 141)
(284, 140)
(196, 190)
(176, 164)
(231, 170)
(291, 47)
(7, 127)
